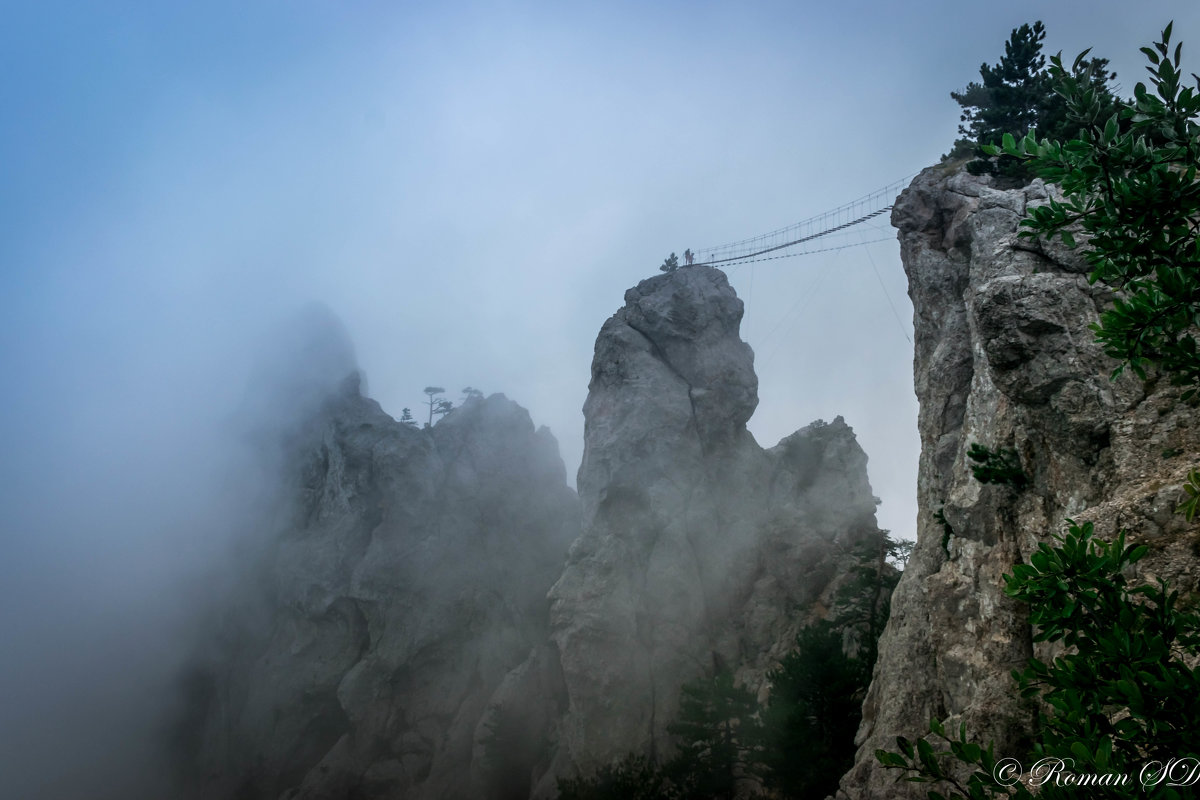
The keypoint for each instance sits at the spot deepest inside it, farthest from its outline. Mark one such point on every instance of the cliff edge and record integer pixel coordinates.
(1004, 358)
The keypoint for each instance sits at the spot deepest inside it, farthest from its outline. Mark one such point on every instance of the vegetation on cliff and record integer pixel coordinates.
(1018, 95)
(1129, 184)
(801, 740)
(1116, 710)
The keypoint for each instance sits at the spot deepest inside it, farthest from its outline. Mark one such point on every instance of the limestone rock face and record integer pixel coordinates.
(1004, 358)
(699, 548)
(410, 630)
(408, 578)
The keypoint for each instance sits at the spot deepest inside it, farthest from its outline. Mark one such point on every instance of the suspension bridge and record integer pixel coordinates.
(837, 229)
(822, 233)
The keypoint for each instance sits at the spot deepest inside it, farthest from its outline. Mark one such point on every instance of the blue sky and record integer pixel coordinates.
(470, 188)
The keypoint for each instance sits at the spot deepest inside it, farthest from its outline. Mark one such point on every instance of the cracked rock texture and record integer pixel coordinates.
(408, 577)
(699, 548)
(1004, 358)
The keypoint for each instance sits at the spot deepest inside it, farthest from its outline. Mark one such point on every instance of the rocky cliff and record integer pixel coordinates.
(407, 578)
(1004, 358)
(699, 548)
(410, 628)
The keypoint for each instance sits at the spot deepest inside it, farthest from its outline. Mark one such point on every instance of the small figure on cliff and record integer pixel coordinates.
(688, 258)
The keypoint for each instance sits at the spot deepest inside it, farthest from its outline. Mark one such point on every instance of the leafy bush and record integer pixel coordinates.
(1001, 467)
(1120, 697)
(1017, 95)
(1129, 182)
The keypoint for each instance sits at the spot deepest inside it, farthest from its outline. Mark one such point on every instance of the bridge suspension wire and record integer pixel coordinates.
(831, 223)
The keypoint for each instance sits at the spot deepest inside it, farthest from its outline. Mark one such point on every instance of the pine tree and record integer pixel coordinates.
(1012, 91)
(437, 405)
(1128, 178)
(1017, 95)
(816, 703)
(719, 737)
(1122, 696)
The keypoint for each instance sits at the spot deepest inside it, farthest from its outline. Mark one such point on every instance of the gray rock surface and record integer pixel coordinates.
(1004, 358)
(699, 548)
(410, 629)
(407, 579)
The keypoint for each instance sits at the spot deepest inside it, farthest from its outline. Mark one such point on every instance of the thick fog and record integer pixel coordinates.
(470, 189)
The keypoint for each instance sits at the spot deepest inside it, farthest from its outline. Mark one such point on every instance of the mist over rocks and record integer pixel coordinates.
(699, 548)
(414, 625)
(301, 363)
(1004, 357)
(406, 577)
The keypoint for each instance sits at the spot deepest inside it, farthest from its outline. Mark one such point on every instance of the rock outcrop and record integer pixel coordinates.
(1004, 358)
(412, 630)
(407, 578)
(699, 548)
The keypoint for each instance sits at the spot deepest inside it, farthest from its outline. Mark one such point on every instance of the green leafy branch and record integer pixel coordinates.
(1129, 183)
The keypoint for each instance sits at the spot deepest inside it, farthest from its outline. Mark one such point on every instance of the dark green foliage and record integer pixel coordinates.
(469, 393)
(1121, 696)
(634, 778)
(510, 749)
(1017, 95)
(817, 692)
(814, 711)
(1126, 681)
(1010, 95)
(1124, 694)
(939, 517)
(862, 605)
(407, 418)
(1191, 488)
(1000, 466)
(1129, 183)
(719, 737)
(670, 263)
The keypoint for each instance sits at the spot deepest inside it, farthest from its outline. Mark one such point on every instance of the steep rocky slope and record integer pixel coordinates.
(699, 548)
(1004, 358)
(410, 628)
(408, 577)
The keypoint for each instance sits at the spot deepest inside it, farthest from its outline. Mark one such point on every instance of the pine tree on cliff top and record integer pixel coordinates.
(1017, 95)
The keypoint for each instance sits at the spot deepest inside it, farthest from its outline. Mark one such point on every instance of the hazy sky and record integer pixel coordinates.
(471, 188)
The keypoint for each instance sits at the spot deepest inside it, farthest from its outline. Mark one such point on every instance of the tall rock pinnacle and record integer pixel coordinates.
(700, 550)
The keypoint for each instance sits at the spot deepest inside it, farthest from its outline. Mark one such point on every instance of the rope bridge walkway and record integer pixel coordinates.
(825, 227)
